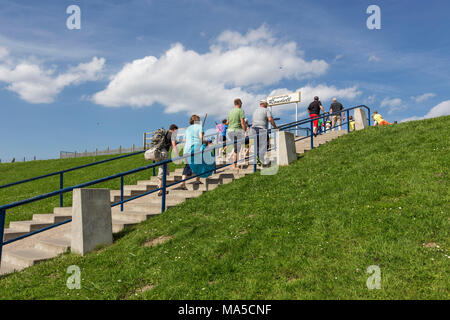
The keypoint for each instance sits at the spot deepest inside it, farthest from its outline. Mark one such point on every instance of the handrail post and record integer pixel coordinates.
(61, 186)
(368, 109)
(312, 134)
(121, 193)
(164, 184)
(348, 120)
(2, 229)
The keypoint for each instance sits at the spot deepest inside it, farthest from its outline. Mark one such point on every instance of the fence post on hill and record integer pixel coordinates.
(312, 135)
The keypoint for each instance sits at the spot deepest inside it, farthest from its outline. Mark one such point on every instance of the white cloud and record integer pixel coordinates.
(393, 104)
(423, 97)
(374, 58)
(442, 109)
(3, 52)
(35, 84)
(187, 81)
(387, 102)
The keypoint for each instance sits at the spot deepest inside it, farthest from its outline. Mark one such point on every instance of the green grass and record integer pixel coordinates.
(12, 172)
(373, 197)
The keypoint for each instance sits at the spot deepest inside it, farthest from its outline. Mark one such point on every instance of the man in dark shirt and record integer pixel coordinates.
(314, 112)
(335, 111)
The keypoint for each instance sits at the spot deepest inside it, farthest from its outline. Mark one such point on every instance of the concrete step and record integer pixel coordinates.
(119, 225)
(200, 187)
(172, 178)
(50, 218)
(139, 187)
(147, 207)
(170, 199)
(135, 216)
(147, 182)
(173, 193)
(23, 258)
(54, 245)
(28, 226)
(115, 193)
(12, 234)
(63, 211)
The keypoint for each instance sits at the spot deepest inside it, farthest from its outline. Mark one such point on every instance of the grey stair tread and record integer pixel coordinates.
(28, 225)
(41, 217)
(11, 233)
(62, 210)
(60, 242)
(134, 213)
(123, 222)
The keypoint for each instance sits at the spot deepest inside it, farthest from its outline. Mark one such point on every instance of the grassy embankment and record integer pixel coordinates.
(375, 197)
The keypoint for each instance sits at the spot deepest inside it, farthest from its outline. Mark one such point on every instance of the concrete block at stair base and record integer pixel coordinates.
(361, 121)
(91, 220)
(286, 152)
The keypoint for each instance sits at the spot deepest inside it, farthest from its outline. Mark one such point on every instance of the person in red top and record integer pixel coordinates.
(314, 112)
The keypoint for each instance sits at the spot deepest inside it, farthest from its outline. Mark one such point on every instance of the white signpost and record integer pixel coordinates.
(287, 98)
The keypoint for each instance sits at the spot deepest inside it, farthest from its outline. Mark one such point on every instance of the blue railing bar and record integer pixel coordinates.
(68, 170)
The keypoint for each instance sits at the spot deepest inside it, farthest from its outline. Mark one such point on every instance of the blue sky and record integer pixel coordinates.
(139, 65)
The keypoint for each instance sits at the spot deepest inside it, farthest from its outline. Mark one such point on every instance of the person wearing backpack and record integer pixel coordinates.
(163, 143)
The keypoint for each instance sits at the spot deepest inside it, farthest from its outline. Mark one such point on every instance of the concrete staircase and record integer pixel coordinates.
(51, 243)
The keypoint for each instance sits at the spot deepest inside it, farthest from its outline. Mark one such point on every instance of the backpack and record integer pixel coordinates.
(158, 142)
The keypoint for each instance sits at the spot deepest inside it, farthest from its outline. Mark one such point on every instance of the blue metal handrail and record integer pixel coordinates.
(121, 175)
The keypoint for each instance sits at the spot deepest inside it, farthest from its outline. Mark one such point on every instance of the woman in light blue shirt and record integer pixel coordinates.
(194, 143)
